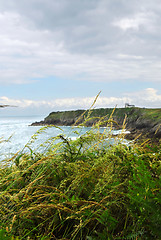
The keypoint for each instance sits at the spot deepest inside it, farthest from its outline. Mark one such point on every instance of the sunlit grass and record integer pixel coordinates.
(91, 188)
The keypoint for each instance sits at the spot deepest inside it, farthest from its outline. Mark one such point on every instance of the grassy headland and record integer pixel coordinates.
(138, 120)
(86, 189)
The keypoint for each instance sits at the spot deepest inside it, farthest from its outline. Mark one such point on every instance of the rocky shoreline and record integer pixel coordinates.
(139, 121)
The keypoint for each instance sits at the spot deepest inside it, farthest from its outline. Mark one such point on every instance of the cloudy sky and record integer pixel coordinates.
(57, 55)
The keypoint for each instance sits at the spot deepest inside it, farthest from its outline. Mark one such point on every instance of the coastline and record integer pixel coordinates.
(140, 122)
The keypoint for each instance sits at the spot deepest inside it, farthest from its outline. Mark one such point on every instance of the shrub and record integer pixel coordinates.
(82, 189)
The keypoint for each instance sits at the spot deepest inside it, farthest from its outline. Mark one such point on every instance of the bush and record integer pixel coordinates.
(82, 189)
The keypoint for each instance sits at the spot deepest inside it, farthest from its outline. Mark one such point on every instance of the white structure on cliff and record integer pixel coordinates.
(127, 105)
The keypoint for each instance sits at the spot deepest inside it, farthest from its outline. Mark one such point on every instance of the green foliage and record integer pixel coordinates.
(119, 113)
(82, 189)
(3, 235)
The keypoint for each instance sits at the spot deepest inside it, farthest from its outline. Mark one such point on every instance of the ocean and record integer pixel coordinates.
(16, 132)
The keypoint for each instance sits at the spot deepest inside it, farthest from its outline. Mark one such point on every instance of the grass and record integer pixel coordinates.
(82, 189)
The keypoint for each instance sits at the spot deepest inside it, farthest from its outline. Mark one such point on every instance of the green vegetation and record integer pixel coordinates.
(137, 118)
(119, 113)
(98, 113)
(146, 122)
(82, 189)
(155, 114)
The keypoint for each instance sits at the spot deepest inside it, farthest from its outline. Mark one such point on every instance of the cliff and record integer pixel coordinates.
(139, 120)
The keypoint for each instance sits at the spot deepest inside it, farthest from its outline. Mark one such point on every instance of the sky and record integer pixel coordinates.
(57, 55)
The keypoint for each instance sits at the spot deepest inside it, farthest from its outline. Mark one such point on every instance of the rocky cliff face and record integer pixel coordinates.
(138, 120)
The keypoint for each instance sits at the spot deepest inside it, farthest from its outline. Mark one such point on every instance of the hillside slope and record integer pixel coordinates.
(139, 120)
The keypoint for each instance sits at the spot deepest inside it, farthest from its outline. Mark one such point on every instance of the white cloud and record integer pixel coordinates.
(69, 39)
(129, 57)
(144, 19)
(64, 102)
(145, 98)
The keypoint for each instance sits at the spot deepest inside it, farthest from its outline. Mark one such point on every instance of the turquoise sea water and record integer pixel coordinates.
(20, 131)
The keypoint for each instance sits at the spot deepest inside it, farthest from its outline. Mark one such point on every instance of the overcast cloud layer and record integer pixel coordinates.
(96, 40)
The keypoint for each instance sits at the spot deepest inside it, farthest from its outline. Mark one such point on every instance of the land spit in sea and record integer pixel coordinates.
(142, 122)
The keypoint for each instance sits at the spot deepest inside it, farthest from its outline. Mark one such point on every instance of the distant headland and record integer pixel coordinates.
(3, 106)
(144, 121)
